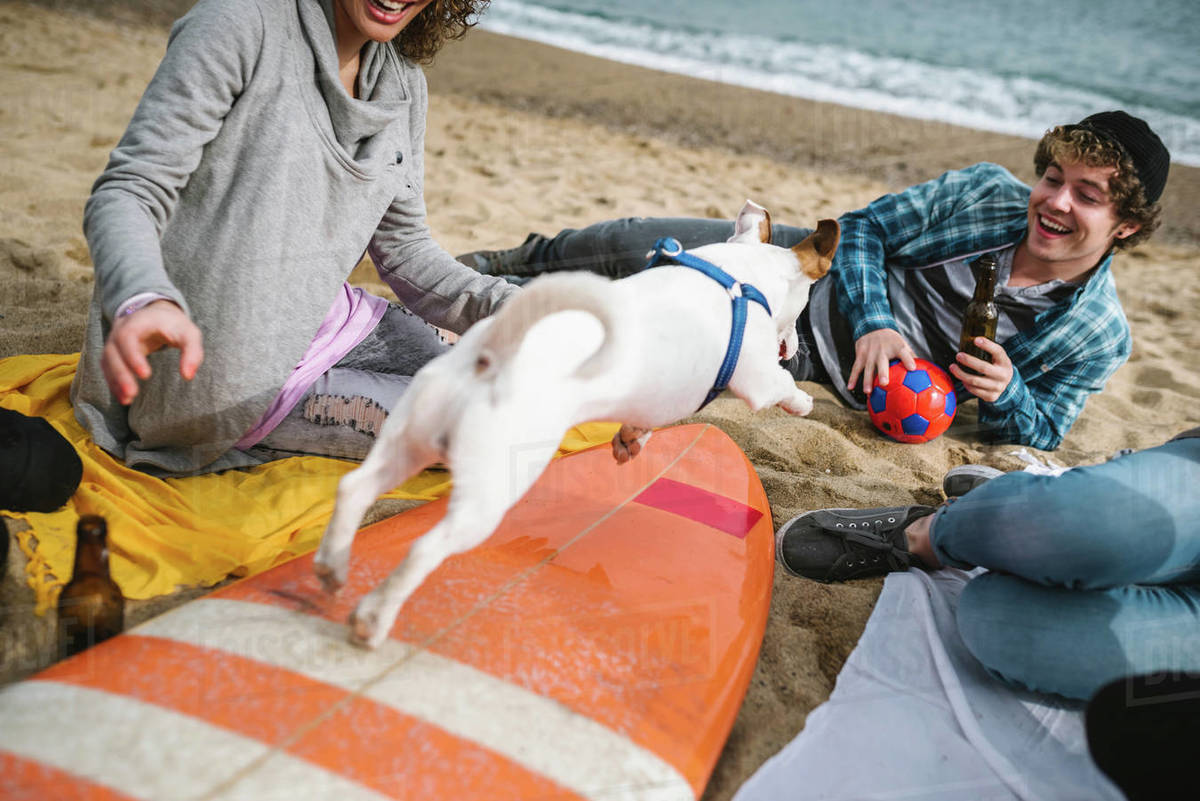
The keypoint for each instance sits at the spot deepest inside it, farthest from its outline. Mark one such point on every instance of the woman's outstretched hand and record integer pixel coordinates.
(160, 324)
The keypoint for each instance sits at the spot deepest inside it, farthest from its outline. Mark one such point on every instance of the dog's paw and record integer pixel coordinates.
(365, 629)
(800, 405)
(622, 452)
(628, 441)
(362, 627)
(369, 623)
(330, 580)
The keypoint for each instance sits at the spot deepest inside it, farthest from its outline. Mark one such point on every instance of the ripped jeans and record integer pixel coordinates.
(342, 413)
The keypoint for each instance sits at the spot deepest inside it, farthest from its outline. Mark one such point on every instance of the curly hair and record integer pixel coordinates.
(1067, 143)
(439, 22)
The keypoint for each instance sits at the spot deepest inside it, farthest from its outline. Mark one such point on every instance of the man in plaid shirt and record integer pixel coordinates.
(900, 281)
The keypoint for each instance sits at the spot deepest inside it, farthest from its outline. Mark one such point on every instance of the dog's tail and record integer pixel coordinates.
(547, 295)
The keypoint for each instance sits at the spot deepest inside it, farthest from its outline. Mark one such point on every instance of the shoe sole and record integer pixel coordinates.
(960, 480)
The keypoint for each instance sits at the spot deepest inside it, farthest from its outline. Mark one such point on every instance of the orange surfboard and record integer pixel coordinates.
(597, 646)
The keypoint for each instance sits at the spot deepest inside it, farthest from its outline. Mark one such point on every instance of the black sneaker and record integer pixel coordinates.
(830, 545)
(39, 470)
(477, 260)
(960, 480)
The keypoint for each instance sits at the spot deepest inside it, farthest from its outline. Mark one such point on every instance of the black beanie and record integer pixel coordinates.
(1150, 158)
(39, 470)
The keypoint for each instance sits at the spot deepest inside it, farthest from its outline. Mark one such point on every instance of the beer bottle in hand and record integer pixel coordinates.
(90, 608)
(981, 315)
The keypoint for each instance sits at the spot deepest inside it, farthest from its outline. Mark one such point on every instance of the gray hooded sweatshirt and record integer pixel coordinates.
(246, 188)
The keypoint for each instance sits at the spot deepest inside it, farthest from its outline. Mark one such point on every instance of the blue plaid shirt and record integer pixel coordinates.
(1069, 352)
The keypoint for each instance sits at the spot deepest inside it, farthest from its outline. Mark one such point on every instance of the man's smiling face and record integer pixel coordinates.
(1072, 219)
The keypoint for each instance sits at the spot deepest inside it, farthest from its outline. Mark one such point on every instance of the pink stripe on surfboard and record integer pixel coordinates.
(702, 506)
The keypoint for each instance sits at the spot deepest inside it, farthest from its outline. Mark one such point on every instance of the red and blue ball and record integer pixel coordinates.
(915, 405)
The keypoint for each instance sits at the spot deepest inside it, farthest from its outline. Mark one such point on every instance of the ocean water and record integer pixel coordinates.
(1012, 66)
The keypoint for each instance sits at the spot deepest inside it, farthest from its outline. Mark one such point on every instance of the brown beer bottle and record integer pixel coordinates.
(90, 608)
(981, 316)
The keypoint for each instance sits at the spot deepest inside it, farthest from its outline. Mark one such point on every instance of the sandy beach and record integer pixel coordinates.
(524, 137)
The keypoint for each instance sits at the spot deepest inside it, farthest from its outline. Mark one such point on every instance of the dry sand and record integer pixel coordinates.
(525, 137)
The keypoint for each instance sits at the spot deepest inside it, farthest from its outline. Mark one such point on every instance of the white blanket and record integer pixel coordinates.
(914, 715)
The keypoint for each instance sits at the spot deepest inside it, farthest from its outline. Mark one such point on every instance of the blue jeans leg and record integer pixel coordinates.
(1073, 642)
(1095, 573)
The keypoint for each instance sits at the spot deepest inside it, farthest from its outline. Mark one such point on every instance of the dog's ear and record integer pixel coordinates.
(753, 224)
(816, 251)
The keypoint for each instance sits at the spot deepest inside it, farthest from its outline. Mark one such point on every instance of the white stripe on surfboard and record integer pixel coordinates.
(539, 733)
(152, 753)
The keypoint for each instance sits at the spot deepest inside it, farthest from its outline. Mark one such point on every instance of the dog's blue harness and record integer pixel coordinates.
(668, 250)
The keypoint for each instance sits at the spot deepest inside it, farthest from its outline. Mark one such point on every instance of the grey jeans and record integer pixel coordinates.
(343, 411)
(618, 248)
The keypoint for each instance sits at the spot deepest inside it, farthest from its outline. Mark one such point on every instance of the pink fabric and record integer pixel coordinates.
(354, 314)
(139, 301)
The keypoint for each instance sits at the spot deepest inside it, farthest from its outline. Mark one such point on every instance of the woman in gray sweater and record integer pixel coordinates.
(278, 141)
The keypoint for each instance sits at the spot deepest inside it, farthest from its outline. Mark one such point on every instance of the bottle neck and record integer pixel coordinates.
(985, 280)
(91, 553)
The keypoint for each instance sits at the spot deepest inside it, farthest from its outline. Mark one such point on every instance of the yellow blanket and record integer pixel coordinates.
(179, 532)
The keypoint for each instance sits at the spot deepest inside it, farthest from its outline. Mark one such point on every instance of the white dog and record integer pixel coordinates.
(570, 348)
